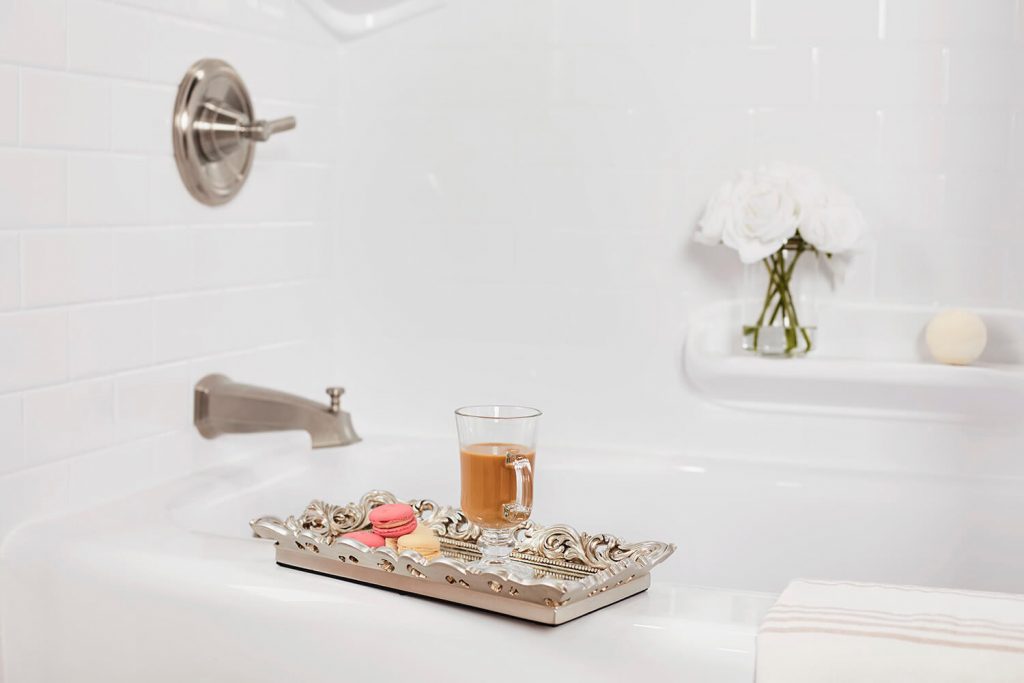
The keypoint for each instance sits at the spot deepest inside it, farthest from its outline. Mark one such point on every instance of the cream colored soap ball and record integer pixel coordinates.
(956, 337)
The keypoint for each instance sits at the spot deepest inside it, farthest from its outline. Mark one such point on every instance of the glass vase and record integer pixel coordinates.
(780, 302)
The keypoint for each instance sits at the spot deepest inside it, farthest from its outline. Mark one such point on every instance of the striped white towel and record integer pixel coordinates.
(839, 631)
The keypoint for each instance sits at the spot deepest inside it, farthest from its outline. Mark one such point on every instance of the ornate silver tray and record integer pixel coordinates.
(575, 572)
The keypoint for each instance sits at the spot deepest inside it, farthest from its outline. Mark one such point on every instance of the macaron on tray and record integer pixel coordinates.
(423, 548)
(395, 525)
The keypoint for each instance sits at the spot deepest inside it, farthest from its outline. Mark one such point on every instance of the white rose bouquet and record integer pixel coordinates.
(775, 214)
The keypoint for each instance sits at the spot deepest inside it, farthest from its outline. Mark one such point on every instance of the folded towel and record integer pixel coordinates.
(838, 631)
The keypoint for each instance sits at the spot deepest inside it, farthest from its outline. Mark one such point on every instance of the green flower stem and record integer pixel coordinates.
(778, 260)
(780, 275)
(785, 302)
(807, 338)
(794, 321)
(768, 296)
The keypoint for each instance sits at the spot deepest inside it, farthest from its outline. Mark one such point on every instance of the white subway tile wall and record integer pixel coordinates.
(524, 179)
(500, 195)
(117, 289)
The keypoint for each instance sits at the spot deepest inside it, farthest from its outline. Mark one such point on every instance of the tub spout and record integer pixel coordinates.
(223, 406)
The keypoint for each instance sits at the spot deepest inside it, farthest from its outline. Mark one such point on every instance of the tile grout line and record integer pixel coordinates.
(187, 363)
(114, 80)
(67, 35)
(815, 75)
(165, 296)
(21, 272)
(946, 86)
(1018, 17)
(20, 122)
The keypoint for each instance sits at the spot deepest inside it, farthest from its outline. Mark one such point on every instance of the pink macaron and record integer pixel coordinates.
(393, 520)
(366, 538)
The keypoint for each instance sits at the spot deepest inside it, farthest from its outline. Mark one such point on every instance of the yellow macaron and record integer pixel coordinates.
(423, 540)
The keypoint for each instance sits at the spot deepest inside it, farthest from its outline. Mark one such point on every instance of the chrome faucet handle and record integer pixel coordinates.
(335, 394)
(223, 130)
(215, 131)
(262, 130)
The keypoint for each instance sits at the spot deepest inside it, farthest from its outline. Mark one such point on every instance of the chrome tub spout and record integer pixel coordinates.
(223, 407)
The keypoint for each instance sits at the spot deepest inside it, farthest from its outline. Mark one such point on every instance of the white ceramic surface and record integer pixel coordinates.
(174, 571)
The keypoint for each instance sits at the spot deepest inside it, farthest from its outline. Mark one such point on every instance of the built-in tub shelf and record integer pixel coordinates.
(351, 19)
(869, 359)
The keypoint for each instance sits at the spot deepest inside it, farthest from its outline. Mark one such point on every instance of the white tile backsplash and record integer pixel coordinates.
(140, 117)
(913, 138)
(104, 338)
(64, 110)
(808, 135)
(8, 105)
(34, 346)
(821, 20)
(875, 76)
(107, 189)
(69, 419)
(153, 260)
(67, 266)
(916, 20)
(33, 32)
(252, 255)
(667, 22)
(981, 21)
(979, 139)
(10, 271)
(976, 206)
(102, 249)
(93, 48)
(40, 202)
(217, 322)
(29, 493)
(758, 75)
(12, 434)
(978, 76)
(910, 202)
(954, 273)
(177, 44)
(153, 401)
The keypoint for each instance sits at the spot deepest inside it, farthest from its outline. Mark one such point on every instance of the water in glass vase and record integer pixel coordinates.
(780, 302)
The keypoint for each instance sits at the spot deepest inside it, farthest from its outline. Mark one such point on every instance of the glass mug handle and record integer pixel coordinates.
(520, 510)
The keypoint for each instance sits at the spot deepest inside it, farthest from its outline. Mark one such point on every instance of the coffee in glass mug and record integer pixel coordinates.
(497, 447)
(489, 484)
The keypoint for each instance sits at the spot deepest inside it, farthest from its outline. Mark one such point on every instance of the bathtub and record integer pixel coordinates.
(175, 572)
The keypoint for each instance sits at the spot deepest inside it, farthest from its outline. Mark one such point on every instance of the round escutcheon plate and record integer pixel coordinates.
(211, 114)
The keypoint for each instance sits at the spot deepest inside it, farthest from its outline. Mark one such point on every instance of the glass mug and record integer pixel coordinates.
(497, 447)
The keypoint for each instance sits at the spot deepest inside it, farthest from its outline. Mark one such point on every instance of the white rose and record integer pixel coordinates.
(765, 216)
(833, 225)
(803, 184)
(719, 213)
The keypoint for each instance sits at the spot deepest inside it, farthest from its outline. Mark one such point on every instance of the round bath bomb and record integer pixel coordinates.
(956, 337)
